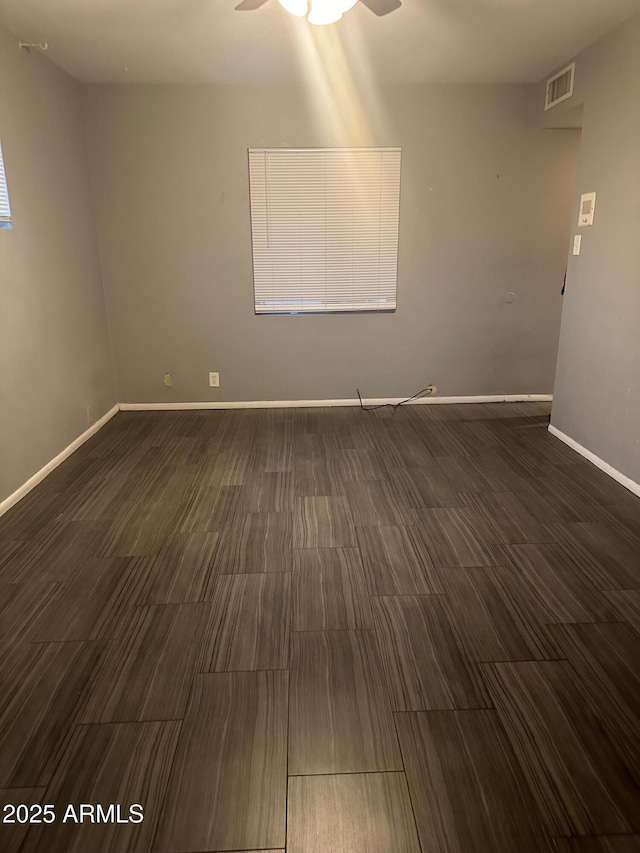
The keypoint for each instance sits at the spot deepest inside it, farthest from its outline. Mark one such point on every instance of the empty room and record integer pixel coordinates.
(320, 426)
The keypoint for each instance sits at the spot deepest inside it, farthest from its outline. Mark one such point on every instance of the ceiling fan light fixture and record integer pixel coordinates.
(299, 8)
(326, 11)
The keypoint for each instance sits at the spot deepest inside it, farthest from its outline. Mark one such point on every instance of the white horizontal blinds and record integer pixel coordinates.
(5, 210)
(324, 229)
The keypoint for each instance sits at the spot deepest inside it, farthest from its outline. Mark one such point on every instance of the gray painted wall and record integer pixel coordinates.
(597, 391)
(54, 347)
(486, 208)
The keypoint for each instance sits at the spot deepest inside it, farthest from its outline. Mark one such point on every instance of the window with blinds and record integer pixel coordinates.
(324, 225)
(5, 210)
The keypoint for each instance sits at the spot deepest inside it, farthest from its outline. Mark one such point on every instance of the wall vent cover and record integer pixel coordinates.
(560, 86)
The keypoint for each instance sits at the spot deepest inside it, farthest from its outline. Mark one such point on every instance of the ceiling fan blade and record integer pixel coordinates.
(382, 7)
(249, 5)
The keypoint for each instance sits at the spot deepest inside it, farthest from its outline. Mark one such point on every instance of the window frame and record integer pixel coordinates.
(6, 218)
(389, 161)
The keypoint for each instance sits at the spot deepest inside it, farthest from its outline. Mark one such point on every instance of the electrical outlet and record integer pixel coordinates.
(214, 380)
(168, 381)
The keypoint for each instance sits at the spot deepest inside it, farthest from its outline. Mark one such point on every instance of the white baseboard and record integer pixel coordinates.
(31, 483)
(625, 481)
(305, 404)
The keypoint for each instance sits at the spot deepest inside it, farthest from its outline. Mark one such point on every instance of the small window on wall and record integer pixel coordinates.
(5, 210)
(324, 227)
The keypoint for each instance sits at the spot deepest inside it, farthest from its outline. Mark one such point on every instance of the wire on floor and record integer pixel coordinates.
(426, 392)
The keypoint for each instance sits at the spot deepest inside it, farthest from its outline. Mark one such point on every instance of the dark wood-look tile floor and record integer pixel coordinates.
(323, 631)
(355, 812)
(340, 716)
(466, 784)
(599, 844)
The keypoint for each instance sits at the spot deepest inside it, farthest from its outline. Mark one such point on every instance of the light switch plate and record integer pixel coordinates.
(587, 207)
(577, 241)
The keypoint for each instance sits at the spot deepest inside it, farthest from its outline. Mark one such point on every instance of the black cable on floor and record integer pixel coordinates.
(426, 392)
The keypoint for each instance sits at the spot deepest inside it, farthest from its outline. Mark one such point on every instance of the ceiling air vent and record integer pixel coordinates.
(560, 86)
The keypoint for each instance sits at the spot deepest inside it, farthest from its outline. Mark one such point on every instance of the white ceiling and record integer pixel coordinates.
(202, 41)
